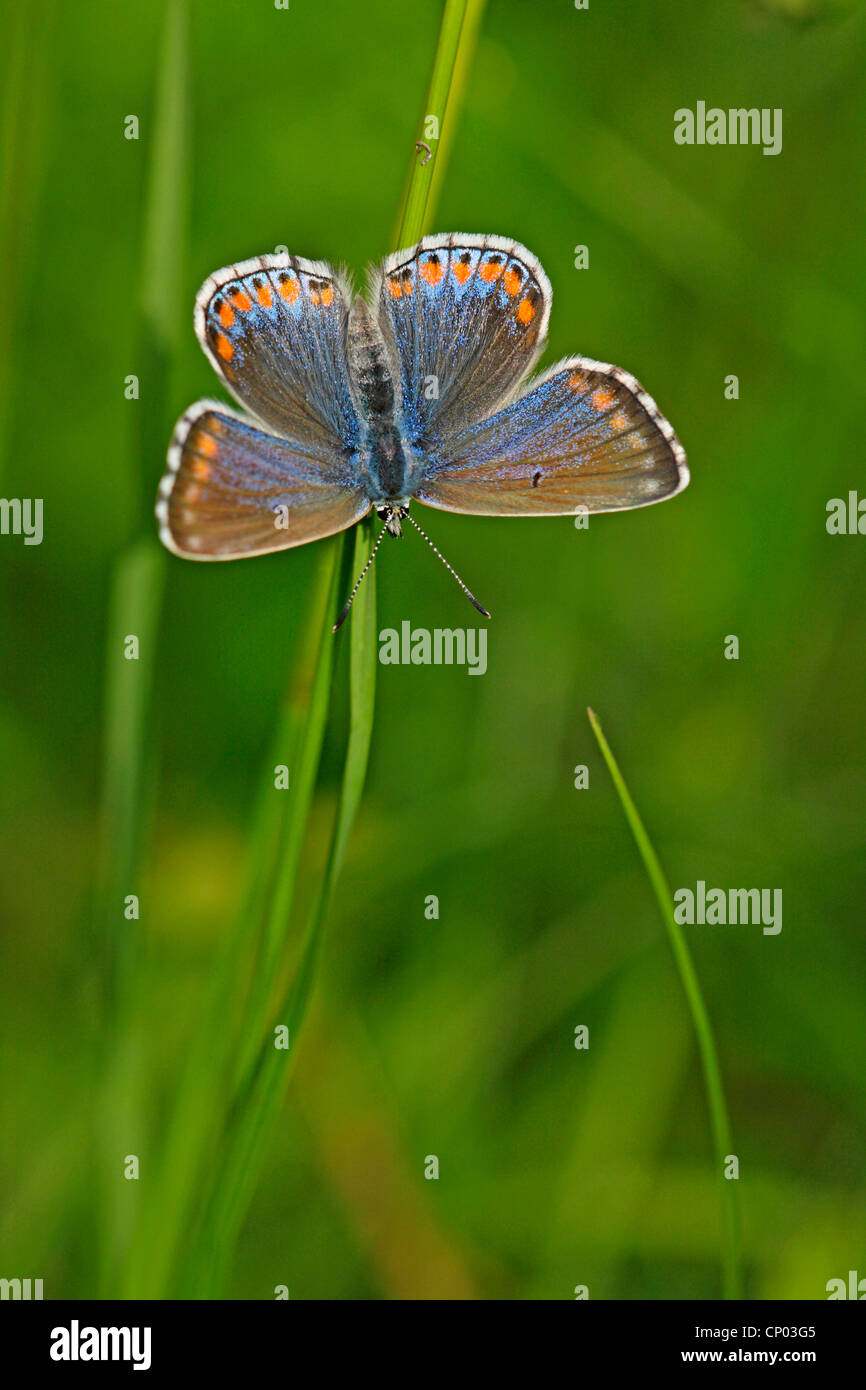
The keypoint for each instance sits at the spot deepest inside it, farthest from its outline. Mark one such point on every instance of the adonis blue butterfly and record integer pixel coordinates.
(418, 391)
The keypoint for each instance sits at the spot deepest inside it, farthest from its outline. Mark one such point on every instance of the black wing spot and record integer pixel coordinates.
(536, 479)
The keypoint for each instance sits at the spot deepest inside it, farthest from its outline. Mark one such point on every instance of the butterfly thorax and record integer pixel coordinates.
(383, 453)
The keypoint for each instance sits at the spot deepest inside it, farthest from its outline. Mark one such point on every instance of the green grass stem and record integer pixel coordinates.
(135, 609)
(263, 1085)
(458, 33)
(731, 1272)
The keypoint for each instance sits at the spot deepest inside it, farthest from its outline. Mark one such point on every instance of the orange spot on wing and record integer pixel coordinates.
(264, 296)
(602, 397)
(199, 469)
(490, 271)
(322, 297)
(224, 347)
(242, 301)
(204, 444)
(462, 271)
(619, 422)
(395, 287)
(289, 289)
(525, 311)
(577, 382)
(226, 314)
(512, 281)
(432, 271)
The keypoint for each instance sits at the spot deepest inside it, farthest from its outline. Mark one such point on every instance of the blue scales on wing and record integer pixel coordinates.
(274, 329)
(583, 435)
(465, 318)
(233, 490)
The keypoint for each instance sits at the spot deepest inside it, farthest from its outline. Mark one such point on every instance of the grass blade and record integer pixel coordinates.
(263, 1083)
(264, 1087)
(459, 29)
(136, 591)
(25, 100)
(731, 1273)
(201, 1110)
(139, 573)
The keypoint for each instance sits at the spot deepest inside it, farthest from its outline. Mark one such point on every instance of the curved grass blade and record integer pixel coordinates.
(731, 1272)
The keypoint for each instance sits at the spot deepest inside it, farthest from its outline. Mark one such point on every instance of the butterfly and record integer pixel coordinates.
(417, 391)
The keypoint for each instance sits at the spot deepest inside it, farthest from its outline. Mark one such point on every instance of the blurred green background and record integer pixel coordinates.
(455, 1037)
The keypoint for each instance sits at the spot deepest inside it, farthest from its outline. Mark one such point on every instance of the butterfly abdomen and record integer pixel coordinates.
(385, 457)
(368, 361)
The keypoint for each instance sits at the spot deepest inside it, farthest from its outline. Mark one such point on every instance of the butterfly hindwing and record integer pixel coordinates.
(233, 490)
(465, 318)
(274, 329)
(584, 434)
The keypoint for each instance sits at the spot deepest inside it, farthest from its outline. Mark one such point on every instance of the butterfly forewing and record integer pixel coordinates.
(233, 490)
(585, 434)
(465, 317)
(274, 329)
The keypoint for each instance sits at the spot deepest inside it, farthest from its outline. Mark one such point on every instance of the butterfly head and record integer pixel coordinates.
(393, 513)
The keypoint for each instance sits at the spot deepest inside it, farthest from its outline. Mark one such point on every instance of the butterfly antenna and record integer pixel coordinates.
(450, 568)
(345, 613)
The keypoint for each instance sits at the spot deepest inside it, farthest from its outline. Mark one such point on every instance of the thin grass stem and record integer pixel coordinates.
(721, 1128)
